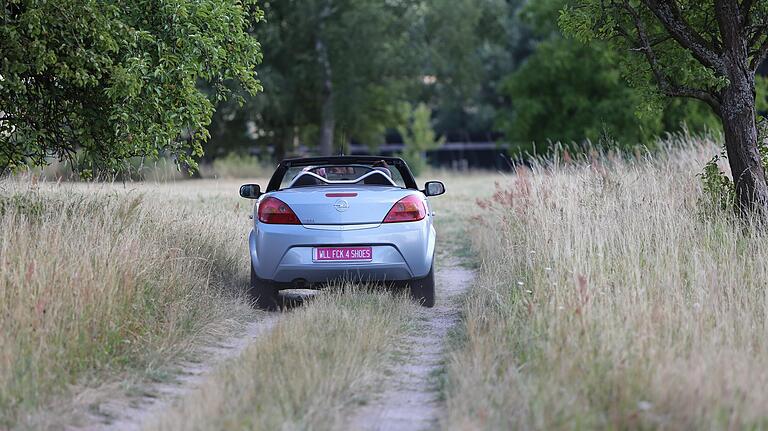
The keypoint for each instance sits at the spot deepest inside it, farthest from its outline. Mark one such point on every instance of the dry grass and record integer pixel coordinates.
(307, 373)
(96, 281)
(606, 301)
(102, 286)
(326, 357)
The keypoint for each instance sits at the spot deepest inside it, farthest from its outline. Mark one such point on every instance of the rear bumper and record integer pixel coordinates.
(401, 251)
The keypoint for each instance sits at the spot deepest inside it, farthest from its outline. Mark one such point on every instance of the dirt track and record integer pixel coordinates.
(410, 400)
(132, 414)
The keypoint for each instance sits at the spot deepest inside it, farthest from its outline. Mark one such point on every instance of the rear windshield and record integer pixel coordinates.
(341, 173)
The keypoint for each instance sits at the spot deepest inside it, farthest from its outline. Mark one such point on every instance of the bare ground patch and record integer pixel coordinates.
(410, 398)
(128, 405)
(191, 375)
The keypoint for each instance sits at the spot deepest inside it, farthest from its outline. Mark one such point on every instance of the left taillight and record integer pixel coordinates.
(274, 211)
(409, 208)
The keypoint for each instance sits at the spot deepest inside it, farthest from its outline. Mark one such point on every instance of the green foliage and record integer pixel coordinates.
(761, 101)
(450, 54)
(418, 133)
(569, 91)
(589, 20)
(719, 191)
(676, 67)
(418, 136)
(372, 66)
(469, 46)
(118, 79)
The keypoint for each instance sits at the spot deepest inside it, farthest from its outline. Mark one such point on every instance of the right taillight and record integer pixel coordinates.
(274, 211)
(409, 208)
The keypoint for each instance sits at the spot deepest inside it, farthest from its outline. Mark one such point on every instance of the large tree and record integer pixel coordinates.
(450, 54)
(334, 70)
(570, 92)
(469, 46)
(706, 50)
(113, 79)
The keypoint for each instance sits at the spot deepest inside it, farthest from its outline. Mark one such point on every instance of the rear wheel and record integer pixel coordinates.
(423, 289)
(263, 292)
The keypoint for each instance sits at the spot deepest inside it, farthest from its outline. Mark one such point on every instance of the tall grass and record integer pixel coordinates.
(610, 298)
(98, 280)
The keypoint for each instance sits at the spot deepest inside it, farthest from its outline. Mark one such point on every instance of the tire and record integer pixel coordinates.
(423, 289)
(264, 293)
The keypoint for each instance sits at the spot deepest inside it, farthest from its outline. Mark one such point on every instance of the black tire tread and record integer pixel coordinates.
(264, 293)
(423, 289)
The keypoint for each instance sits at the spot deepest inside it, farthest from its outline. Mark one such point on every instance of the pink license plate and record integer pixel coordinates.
(335, 254)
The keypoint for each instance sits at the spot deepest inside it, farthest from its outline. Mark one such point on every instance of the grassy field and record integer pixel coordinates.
(106, 286)
(106, 281)
(327, 357)
(608, 298)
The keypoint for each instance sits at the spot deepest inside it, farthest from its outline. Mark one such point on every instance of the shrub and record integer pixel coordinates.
(418, 136)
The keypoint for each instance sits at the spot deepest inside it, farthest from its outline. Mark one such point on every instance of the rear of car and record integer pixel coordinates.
(351, 232)
(354, 218)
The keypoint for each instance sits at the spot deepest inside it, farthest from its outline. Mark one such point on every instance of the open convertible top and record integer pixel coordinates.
(392, 162)
(342, 160)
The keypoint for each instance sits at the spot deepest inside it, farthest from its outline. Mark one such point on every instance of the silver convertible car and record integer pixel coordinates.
(356, 218)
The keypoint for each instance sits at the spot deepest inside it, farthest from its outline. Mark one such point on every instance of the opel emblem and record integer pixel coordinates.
(341, 205)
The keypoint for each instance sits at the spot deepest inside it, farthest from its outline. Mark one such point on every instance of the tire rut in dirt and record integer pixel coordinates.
(411, 399)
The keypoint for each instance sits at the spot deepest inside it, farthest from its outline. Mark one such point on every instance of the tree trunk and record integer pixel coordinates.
(327, 113)
(737, 112)
(282, 143)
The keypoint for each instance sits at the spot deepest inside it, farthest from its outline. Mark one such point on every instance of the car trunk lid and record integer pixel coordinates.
(326, 205)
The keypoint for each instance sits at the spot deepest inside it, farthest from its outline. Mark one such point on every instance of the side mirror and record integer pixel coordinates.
(250, 191)
(434, 188)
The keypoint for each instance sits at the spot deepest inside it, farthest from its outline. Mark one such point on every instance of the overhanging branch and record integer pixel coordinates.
(693, 93)
(645, 45)
(667, 12)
